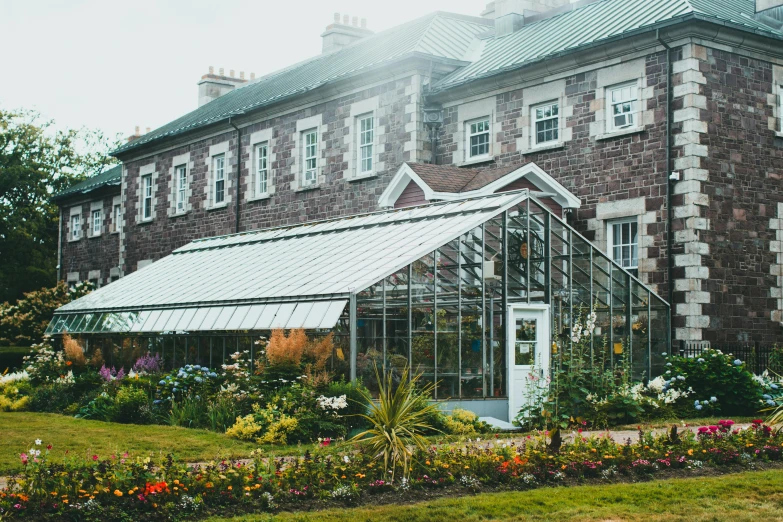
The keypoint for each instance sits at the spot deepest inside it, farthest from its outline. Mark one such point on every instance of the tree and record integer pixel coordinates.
(36, 162)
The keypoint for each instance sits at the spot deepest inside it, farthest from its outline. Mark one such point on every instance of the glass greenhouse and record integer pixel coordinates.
(474, 295)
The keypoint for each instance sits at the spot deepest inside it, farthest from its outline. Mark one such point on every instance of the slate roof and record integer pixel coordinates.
(106, 178)
(470, 42)
(596, 23)
(441, 35)
(445, 178)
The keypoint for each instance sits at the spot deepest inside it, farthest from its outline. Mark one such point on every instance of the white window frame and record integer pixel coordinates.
(610, 242)
(471, 132)
(309, 157)
(365, 144)
(535, 120)
(261, 162)
(76, 227)
(117, 211)
(780, 109)
(625, 96)
(180, 189)
(219, 177)
(96, 227)
(146, 197)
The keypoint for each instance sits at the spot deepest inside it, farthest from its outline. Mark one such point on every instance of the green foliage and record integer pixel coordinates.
(132, 406)
(25, 322)
(714, 374)
(101, 408)
(11, 357)
(397, 421)
(37, 162)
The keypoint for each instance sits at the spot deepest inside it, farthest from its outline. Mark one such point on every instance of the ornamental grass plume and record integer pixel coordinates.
(73, 351)
(284, 349)
(397, 420)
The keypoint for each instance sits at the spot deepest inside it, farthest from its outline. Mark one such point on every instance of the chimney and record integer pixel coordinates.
(213, 86)
(136, 134)
(342, 34)
(509, 15)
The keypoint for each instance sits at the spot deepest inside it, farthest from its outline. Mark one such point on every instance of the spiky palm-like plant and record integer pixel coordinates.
(397, 420)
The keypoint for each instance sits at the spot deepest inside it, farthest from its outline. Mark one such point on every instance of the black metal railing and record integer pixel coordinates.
(758, 357)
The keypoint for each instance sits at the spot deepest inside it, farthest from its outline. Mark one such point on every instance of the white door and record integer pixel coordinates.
(528, 353)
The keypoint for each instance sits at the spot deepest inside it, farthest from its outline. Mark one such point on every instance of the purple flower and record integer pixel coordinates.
(148, 363)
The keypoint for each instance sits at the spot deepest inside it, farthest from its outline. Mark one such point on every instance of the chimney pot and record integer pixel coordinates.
(241, 75)
(355, 21)
(220, 71)
(147, 131)
(136, 133)
(231, 73)
(345, 19)
(337, 18)
(252, 76)
(211, 70)
(364, 23)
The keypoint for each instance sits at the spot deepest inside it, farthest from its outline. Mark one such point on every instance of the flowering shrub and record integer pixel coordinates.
(148, 364)
(719, 383)
(191, 379)
(24, 323)
(126, 487)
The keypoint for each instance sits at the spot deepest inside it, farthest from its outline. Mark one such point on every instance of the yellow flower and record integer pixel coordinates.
(445, 466)
(247, 488)
(690, 452)
(230, 488)
(467, 467)
(117, 493)
(130, 492)
(427, 462)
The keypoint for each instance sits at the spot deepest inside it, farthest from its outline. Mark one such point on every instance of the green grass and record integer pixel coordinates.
(86, 437)
(750, 496)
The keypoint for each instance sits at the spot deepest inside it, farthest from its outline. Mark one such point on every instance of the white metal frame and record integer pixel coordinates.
(117, 217)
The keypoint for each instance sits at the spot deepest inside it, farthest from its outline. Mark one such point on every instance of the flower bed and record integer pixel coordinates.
(119, 486)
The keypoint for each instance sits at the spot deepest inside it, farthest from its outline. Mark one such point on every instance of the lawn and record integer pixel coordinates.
(86, 437)
(749, 496)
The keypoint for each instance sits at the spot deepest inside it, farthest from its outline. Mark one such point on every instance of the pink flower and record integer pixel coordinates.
(94, 457)
(23, 456)
(326, 441)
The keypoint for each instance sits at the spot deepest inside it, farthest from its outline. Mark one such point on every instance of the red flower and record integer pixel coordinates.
(95, 457)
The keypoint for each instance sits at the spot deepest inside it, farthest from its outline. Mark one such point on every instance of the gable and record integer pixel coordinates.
(411, 196)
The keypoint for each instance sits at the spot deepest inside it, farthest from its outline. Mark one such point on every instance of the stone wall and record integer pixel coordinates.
(340, 190)
(92, 256)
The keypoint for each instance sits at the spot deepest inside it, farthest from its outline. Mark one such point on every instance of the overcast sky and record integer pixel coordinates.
(112, 65)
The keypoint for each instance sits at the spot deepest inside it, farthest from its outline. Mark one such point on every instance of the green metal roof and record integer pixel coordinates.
(440, 35)
(459, 39)
(595, 23)
(105, 178)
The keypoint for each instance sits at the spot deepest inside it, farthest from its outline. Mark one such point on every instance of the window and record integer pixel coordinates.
(622, 107)
(146, 196)
(780, 108)
(117, 218)
(262, 169)
(546, 123)
(96, 222)
(624, 243)
(310, 157)
(478, 138)
(219, 172)
(76, 226)
(366, 136)
(180, 189)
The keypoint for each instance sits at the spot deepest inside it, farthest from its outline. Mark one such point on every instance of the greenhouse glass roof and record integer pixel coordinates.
(286, 277)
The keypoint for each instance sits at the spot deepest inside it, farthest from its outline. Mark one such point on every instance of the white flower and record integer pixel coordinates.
(346, 459)
(37, 442)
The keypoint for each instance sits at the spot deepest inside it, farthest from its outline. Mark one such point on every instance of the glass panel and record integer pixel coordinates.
(525, 342)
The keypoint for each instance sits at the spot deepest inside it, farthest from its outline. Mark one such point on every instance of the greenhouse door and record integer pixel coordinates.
(528, 354)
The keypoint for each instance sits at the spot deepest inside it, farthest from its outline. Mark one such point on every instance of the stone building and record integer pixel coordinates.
(654, 127)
